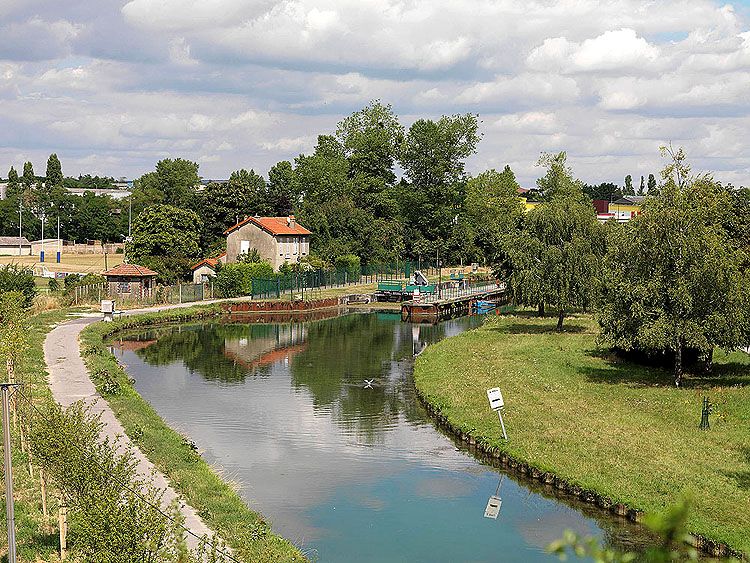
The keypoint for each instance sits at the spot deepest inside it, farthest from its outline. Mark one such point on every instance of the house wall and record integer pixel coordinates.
(276, 250)
(13, 250)
(259, 239)
(202, 271)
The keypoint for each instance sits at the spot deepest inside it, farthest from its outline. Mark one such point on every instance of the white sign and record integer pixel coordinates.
(493, 507)
(108, 306)
(496, 398)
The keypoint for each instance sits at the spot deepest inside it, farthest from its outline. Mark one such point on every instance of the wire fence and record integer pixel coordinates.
(137, 296)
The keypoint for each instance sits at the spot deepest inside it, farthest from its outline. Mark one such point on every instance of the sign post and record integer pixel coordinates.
(496, 404)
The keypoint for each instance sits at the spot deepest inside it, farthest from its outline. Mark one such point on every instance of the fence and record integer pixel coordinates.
(159, 295)
(306, 285)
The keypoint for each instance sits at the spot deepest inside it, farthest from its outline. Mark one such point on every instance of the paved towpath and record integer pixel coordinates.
(70, 382)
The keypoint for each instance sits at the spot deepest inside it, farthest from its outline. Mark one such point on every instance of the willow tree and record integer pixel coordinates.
(554, 259)
(673, 281)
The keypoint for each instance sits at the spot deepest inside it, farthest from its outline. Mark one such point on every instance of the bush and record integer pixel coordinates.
(350, 264)
(235, 280)
(53, 284)
(18, 278)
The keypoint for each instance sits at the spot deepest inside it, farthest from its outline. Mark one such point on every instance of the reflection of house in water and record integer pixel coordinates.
(277, 345)
(131, 345)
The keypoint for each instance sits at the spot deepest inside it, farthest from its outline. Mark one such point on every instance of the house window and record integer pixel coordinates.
(123, 287)
(244, 246)
(204, 278)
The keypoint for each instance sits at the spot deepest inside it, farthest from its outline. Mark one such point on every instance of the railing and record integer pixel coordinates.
(457, 289)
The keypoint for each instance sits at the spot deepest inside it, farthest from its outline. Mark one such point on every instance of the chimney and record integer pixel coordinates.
(290, 221)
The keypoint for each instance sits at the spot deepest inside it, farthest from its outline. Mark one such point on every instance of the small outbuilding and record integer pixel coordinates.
(15, 246)
(130, 280)
(277, 239)
(206, 268)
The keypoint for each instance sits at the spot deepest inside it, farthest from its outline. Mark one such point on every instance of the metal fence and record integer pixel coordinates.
(158, 295)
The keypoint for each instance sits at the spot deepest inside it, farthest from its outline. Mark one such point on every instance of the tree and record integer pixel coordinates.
(605, 190)
(14, 278)
(673, 281)
(555, 257)
(651, 183)
(371, 138)
(13, 183)
(174, 182)
(14, 330)
(28, 177)
(221, 205)
(165, 238)
(255, 190)
(642, 187)
(629, 185)
(54, 171)
(433, 157)
(283, 191)
(493, 210)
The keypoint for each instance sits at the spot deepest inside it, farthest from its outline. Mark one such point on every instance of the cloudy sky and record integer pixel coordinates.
(113, 86)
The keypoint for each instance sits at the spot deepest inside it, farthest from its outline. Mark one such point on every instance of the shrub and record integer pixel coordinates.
(20, 279)
(53, 284)
(350, 264)
(235, 280)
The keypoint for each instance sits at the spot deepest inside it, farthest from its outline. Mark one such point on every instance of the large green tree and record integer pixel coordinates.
(28, 177)
(166, 239)
(54, 175)
(673, 280)
(283, 191)
(173, 182)
(555, 257)
(493, 210)
(433, 156)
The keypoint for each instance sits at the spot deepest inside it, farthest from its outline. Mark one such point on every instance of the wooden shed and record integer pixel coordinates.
(130, 280)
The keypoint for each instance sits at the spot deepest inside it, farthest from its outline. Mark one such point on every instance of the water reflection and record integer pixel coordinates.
(348, 470)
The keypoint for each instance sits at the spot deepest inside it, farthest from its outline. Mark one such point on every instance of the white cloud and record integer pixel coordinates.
(246, 84)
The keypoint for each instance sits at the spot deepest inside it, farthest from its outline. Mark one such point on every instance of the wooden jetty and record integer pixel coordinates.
(438, 309)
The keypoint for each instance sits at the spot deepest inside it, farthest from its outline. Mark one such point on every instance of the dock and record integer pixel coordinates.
(450, 302)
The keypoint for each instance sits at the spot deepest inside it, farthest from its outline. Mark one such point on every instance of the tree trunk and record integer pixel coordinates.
(560, 318)
(541, 309)
(678, 363)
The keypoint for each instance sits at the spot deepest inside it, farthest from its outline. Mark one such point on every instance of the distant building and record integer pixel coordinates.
(114, 193)
(15, 246)
(206, 268)
(3, 190)
(130, 280)
(625, 208)
(277, 239)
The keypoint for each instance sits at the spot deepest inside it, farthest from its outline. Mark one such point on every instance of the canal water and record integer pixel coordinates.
(319, 424)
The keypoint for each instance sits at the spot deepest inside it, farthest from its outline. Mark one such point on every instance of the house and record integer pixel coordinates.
(3, 190)
(130, 280)
(15, 246)
(206, 268)
(625, 208)
(277, 239)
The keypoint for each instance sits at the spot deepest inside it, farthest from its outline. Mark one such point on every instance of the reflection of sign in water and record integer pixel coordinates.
(493, 507)
(495, 502)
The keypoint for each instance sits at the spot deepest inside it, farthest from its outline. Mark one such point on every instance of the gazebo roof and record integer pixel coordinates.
(130, 271)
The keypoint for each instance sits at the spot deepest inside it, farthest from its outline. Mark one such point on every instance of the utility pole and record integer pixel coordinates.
(20, 223)
(9, 508)
(59, 250)
(41, 256)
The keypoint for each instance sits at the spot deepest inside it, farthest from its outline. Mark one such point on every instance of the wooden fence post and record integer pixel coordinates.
(43, 483)
(63, 518)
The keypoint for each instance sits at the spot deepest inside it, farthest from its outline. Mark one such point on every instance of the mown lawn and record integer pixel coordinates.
(620, 429)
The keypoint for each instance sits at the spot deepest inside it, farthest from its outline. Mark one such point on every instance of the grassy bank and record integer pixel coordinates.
(37, 537)
(245, 531)
(619, 429)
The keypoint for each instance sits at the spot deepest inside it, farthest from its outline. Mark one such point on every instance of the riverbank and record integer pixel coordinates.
(609, 432)
(215, 500)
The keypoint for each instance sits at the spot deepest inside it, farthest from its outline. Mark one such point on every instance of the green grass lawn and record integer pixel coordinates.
(619, 429)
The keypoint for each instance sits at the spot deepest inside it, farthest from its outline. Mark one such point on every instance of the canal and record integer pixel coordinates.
(318, 423)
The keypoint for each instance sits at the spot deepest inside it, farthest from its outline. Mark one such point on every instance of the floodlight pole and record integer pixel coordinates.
(9, 508)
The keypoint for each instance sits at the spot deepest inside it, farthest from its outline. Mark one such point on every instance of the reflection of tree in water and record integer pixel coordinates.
(203, 349)
(343, 353)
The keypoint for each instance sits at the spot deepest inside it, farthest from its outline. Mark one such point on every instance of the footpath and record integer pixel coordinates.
(70, 382)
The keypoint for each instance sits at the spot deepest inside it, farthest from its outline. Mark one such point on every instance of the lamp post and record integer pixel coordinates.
(20, 224)
(41, 254)
(59, 242)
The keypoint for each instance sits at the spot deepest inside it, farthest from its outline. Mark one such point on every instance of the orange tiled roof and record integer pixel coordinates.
(130, 270)
(273, 225)
(210, 262)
